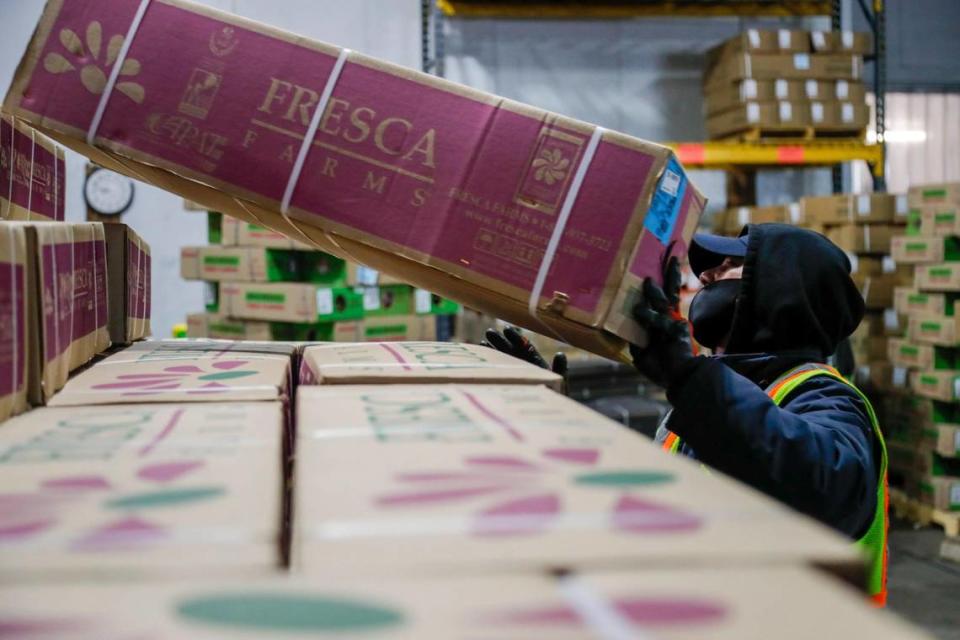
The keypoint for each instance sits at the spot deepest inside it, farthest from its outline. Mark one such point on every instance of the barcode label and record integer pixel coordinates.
(813, 89)
(816, 111)
(371, 298)
(786, 111)
(863, 205)
(670, 182)
(782, 89)
(422, 300)
(367, 277)
(324, 301)
(847, 112)
(801, 61)
(783, 38)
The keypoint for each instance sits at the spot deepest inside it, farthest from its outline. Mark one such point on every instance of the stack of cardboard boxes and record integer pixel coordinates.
(67, 290)
(925, 426)
(262, 285)
(787, 83)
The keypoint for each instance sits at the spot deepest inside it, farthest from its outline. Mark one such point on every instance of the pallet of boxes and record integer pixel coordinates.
(787, 84)
(926, 451)
(262, 285)
(67, 290)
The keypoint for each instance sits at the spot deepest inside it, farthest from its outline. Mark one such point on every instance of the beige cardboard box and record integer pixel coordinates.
(238, 233)
(184, 371)
(359, 275)
(869, 348)
(798, 66)
(67, 301)
(938, 219)
(32, 174)
(724, 97)
(944, 193)
(936, 385)
(858, 42)
(921, 249)
(877, 291)
(680, 603)
(463, 207)
(291, 302)
(879, 265)
(484, 477)
(930, 328)
(943, 276)
(190, 263)
(128, 283)
(948, 440)
(848, 209)
(911, 355)
(14, 319)
(764, 41)
(941, 492)
(198, 324)
(733, 220)
(153, 489)
(881, 377)
(909, 300)
(867, 238)
(764, 115)
(417, 363)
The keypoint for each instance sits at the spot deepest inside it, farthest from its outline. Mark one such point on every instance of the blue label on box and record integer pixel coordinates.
(665, 207)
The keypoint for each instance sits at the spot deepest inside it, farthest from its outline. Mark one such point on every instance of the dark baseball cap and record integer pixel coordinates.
(708, 251)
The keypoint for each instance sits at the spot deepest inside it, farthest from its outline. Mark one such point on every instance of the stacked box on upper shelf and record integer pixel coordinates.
(786, 83)
(264, 286)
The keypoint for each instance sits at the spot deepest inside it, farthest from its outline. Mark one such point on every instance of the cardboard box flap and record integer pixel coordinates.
(417, 362)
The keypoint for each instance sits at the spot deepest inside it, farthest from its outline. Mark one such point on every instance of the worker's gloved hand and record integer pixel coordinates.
(512, 342)
(669, 351)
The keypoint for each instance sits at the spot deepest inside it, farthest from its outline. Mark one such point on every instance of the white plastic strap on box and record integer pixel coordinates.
(13, 299)
(33, 148)
(783, 38)
(13, 134)
(312, 130)
(865, 292)
(56, 182)
(819, 40)
(597, 612)
(96, 289)
(115, 71)
(842, 89)
(73, 280)
(747, 66)
(56, 295)
(866, 238)
(562, 219)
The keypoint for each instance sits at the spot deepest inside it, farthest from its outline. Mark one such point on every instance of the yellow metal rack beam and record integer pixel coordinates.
(723, 155)
(625, 9)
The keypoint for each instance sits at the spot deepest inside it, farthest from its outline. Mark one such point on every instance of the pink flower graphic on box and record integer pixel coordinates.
(641, 612)
(517, 496)
(92, 75)
(27, 515)
(192, 378)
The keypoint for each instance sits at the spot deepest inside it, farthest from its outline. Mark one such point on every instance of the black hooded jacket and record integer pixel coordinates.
(817, 451)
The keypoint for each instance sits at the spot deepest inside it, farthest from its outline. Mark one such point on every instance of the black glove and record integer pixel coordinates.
(669, 351)
(512, 342)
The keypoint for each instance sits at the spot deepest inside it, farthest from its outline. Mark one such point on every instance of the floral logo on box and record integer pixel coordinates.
(515, 496)
(189, 378)
(93, 73)
(551, 166)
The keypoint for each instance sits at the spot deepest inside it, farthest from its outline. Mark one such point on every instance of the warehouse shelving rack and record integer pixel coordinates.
(740, 159)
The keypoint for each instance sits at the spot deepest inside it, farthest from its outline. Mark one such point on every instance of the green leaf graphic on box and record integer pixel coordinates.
(169, 498)
(624, 478)
(288, 613)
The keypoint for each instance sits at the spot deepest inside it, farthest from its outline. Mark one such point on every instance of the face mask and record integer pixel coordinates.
(711, 312)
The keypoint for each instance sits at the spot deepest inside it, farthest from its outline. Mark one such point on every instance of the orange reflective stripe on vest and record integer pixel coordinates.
(873, 544)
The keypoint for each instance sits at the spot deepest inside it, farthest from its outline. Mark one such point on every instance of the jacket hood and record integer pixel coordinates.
(796, 293)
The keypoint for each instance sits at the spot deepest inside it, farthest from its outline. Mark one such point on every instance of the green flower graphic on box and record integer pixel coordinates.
(198, 378)
(515, 496)
(92, 74)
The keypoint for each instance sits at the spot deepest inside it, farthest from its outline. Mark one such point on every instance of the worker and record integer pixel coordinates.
(765, 409)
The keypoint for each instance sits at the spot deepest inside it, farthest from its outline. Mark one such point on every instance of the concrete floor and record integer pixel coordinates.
(922, 587)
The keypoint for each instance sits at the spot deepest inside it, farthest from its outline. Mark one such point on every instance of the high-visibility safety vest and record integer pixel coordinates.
(873, 544)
